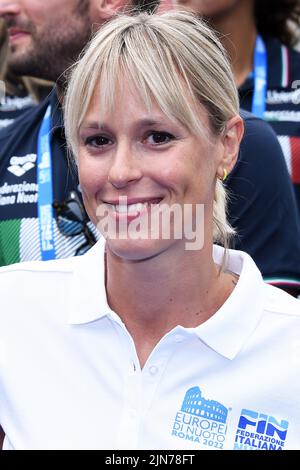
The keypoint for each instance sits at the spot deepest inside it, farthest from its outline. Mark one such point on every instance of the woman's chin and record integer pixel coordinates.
(137, 250)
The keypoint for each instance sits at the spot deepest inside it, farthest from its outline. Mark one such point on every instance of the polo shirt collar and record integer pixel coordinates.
(88, 301)
(226, 332)
(275, 62)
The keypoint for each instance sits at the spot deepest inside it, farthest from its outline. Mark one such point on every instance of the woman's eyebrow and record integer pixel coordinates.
(91, 124)
(144, 122)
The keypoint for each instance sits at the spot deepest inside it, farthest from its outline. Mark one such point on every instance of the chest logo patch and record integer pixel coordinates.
(200, 420)
(258, 431)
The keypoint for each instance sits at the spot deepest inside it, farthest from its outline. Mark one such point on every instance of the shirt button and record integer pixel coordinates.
(153, 370)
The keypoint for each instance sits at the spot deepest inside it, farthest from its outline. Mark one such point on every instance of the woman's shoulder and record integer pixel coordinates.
(26, 285)
(280, 302)
(36, 288)
(27, 267)
(35, 296)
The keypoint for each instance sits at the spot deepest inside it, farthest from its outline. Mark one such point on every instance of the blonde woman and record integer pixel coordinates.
(155, 339)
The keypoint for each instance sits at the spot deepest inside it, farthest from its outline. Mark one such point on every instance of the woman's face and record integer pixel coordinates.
(134, 164)
(209, 8)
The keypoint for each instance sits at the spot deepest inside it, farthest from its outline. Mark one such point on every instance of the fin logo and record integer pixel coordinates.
(258, 431)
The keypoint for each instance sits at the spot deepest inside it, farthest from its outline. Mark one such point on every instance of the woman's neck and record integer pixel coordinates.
(238, 35)
(154, 296)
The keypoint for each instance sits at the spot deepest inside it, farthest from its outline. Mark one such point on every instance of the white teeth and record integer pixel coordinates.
(131, 208)
(121, 209)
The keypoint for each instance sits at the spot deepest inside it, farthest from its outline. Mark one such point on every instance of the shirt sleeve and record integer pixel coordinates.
(262, 206)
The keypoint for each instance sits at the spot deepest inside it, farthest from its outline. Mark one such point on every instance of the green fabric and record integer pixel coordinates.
(10, 242)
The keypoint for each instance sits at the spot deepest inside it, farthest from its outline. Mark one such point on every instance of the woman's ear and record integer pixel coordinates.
(231, 143)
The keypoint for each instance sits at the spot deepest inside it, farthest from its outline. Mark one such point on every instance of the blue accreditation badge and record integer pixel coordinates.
(45, 189)
(260, 78)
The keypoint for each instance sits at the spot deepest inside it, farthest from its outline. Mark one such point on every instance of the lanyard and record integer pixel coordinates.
(260, 78)
(45, 190)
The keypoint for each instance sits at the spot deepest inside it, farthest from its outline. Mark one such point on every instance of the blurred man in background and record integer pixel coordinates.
(41, 216)
(18, 93)
(14, 98)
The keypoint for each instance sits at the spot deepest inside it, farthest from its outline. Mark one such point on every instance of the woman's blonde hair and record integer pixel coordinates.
(173, 58)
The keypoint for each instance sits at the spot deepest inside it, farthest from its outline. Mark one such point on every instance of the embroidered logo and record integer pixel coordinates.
(200, 420)
(258, 431)
(20, 165)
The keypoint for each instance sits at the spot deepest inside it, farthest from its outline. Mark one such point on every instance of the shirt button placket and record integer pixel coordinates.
(128, 429)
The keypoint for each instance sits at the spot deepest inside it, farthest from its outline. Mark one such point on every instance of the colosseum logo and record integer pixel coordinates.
(200, 420)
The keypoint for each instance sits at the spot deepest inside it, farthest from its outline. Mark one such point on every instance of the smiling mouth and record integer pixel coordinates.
(133, 209)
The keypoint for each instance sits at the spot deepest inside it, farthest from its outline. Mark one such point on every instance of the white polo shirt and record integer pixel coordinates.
(70, 376)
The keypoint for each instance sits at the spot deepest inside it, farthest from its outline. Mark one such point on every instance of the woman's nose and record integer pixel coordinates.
(125, 168)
